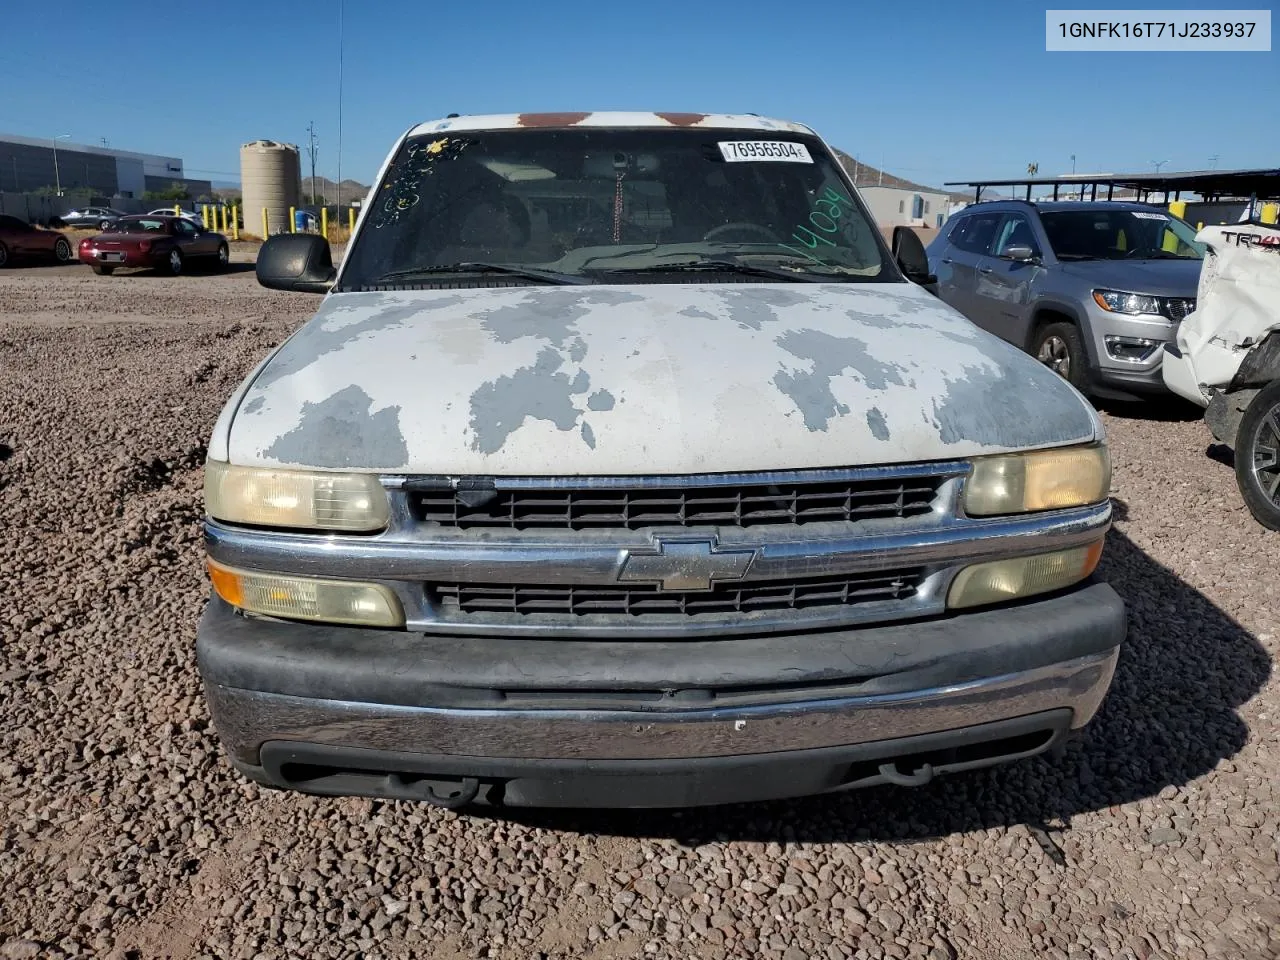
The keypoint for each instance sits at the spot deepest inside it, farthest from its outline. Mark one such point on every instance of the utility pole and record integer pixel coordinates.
(311, 152)
(104, 142)
(57, 177)
(340, 5)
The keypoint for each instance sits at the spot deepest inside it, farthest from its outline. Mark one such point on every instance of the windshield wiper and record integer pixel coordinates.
(532, 273)
(720, 266)
(1076, 256)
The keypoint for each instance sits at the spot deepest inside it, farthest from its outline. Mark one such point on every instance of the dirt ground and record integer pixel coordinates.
(126, 834)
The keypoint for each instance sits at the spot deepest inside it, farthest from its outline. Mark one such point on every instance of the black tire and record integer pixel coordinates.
(4, 256)
(173, 262)
(222, 259)
(1258, 456)
(1059, 347)
(102, 270)
(62, 250)
(103, 225)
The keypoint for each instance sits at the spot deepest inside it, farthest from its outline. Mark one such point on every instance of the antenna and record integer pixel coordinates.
(340, 4)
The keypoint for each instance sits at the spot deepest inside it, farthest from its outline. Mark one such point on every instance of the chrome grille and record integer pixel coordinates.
(740, 597)
(1177, 309)
(730, 504)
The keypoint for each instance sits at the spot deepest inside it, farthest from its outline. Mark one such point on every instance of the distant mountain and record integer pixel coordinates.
(865, 175)
(325, 188)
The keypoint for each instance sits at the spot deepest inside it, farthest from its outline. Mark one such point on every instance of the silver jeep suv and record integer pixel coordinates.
(1093, 290)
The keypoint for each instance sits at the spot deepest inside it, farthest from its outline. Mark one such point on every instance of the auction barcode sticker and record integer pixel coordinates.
(742, 151)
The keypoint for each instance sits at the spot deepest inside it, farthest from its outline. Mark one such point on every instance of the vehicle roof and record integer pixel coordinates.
(512, 121)
(1054, 206)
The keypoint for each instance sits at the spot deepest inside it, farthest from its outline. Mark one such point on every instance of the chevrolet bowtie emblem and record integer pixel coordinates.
(686, 564)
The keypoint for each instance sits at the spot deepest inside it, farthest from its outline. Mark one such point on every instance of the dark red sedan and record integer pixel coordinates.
(169, 244)
(19, 240)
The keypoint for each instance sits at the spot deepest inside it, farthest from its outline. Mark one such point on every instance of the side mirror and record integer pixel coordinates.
(908, 251)
(299, 262)
(1019, 252)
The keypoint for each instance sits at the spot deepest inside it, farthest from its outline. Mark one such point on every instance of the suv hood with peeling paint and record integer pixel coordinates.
(645, 379)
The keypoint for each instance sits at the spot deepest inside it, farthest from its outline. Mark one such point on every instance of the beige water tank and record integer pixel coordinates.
(270, 177)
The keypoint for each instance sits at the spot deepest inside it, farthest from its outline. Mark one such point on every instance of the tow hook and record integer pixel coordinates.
(922, 775)
(450, 794)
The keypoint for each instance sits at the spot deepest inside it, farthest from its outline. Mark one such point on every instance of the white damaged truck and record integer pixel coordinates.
(623, 464)
(1226, 356)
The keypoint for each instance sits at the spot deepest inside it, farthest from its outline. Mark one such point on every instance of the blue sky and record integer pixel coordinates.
(933, 92)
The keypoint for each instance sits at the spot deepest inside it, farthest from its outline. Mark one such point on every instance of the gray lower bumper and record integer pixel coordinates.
(246, 719)
(654, 723)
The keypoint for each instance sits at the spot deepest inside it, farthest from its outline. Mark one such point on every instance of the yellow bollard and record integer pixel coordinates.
(293, 220)
(1179, 209)
(235, 223)
(264, 224)
(222, 219)
(204, 215)
(351, 219)
(324, 222)
(177, 210)
(1271, 212)
(1199, 225)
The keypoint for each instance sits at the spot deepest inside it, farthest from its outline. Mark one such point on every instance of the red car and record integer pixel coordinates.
(166, 243)
(20, 240)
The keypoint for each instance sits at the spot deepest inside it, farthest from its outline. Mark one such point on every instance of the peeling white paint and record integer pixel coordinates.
(647, 379)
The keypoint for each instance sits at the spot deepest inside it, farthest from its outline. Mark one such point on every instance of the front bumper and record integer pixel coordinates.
(653, 723)
(1127, 378)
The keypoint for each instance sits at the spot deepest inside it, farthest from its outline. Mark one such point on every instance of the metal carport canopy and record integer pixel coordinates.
(1259, 184)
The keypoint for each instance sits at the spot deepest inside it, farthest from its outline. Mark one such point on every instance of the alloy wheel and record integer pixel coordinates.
(1266, 455)
(175, 262)
(1056, 355)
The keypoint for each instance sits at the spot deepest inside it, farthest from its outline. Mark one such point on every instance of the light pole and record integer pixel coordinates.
(57, 177)
(1073, 163)
(1158, 164)
(1213, 162)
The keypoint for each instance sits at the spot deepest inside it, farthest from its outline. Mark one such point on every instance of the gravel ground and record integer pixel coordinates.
(126, 834)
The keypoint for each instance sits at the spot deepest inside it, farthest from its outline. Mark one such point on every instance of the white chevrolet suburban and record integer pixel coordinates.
(623, 464)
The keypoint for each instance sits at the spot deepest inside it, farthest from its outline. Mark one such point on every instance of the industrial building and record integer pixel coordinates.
(31, 164)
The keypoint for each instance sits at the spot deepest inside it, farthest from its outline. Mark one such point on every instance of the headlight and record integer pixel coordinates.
(1038, 480)
(351, 502)
(1002, 580)
(1133, 304)
(307, 598)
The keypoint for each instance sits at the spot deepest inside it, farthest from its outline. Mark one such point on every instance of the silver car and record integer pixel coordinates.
(1094, 290)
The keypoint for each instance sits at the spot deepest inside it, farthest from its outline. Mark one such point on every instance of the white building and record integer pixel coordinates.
(906, 206)
(34, 163)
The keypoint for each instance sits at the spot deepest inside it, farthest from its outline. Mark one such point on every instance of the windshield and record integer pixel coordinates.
(1120, 235)
(598, 204)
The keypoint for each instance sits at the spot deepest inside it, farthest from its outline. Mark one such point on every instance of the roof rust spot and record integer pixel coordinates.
(683, 119)
(551, 119)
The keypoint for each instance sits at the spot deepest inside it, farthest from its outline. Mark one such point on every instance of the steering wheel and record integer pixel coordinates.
(716, 232)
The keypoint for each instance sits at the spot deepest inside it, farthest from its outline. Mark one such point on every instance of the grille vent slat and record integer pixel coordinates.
(638, 599)
(634, 508)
